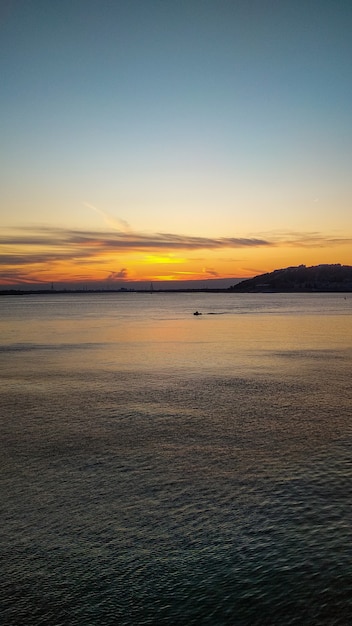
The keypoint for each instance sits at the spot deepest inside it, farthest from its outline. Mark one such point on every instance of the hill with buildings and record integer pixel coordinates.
(330, 278)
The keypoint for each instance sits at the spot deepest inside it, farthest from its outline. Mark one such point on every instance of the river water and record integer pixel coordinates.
(168, 469)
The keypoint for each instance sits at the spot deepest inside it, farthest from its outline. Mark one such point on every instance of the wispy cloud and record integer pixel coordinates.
(312, 239)
(59, 243)
(14, 276)
(66, 239)
(121, 275)
(209, 271)
(110, 220)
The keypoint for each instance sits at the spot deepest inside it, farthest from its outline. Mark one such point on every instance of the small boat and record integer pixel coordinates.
(197, 313)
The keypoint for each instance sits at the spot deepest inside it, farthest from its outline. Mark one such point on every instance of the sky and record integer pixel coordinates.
(171, 140)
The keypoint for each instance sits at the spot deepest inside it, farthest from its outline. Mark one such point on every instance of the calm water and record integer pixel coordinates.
(162, 468)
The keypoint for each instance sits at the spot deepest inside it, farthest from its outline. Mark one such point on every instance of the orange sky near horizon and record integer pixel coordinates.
(116, 258)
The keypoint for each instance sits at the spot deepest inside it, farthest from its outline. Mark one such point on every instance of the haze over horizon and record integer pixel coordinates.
(147, 141)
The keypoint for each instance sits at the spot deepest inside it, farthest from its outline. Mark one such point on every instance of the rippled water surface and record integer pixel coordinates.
(162, 468)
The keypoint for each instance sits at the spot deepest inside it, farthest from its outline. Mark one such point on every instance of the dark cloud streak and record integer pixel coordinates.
(44, 245)
(87, 243)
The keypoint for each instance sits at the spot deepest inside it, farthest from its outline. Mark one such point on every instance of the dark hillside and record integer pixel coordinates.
(316, 278)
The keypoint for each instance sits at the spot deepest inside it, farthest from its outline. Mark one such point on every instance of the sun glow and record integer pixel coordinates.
(44, 255)
(168, 259)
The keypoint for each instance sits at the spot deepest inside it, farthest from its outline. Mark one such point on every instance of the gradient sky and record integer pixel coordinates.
(173, 139)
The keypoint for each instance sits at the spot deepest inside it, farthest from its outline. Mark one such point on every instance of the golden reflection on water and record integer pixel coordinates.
(227, 344)
(145, 333)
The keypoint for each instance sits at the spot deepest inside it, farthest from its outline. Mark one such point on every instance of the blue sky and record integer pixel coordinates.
(207, 119)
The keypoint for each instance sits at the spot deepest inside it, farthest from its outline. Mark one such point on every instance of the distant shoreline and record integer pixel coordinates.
(26, 292)
(55, 292)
